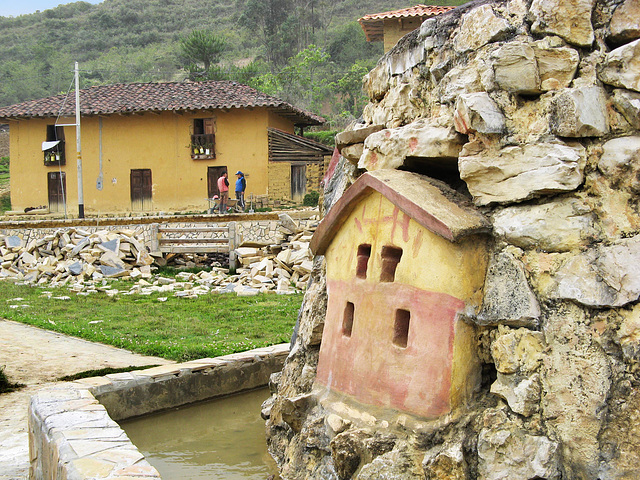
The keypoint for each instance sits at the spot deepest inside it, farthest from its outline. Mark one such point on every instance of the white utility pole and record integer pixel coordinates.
(79, 149)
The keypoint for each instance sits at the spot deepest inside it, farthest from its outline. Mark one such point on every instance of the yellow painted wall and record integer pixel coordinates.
(429, 262)
(436, 264)
(396, 28)
(158, 142)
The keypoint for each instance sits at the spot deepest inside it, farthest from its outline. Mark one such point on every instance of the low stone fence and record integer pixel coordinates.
(73, 434)
(260, 228)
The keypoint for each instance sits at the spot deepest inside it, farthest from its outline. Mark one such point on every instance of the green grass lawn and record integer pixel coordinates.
(178, 329)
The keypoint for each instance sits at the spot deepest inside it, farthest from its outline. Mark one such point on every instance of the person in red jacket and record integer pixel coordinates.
(223, 187)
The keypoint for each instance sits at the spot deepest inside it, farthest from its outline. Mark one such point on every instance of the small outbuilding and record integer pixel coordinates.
(405, 256)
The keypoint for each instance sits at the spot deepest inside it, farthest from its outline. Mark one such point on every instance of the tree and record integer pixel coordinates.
(200, 49)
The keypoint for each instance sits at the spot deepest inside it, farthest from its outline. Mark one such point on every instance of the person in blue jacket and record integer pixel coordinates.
(241, 186)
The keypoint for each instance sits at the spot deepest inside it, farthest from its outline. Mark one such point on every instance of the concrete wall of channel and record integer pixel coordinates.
(73, 434)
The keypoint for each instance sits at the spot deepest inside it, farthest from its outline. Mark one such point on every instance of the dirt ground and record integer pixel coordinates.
(35, 358)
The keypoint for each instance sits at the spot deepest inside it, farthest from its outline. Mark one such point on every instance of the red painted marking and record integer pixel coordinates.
(405, 226)
(413, 144)
(394, 218)
(358, 224)
(417, 242)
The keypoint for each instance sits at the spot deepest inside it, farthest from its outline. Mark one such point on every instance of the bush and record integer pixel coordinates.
(5, 385)
(5, 202)
(326, 137)
(311, 199)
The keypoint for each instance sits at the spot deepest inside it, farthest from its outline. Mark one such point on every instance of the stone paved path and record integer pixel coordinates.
(36, 357)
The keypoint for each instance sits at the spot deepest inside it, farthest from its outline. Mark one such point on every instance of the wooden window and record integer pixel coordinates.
(56, 154)
(364, 252)
(401, 328)
(203, 139)
(390, 259)
(347, 319)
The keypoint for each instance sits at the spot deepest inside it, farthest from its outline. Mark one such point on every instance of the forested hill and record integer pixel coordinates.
(305, 51)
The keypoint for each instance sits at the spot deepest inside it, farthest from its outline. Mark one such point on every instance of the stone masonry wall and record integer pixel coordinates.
(531, 108)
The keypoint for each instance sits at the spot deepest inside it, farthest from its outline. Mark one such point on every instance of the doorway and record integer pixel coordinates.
(141, 189)
(57, 186)
(213, 173)
(298, 182)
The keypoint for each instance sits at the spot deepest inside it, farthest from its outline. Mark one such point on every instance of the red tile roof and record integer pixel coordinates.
(372, 23)
(158, 97)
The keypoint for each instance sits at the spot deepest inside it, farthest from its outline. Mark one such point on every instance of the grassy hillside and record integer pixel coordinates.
(138, 40)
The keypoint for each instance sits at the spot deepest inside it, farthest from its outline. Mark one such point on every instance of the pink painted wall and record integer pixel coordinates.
(369, 366)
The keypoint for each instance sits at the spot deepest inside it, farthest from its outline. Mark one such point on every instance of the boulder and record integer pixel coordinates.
(353, 152)
(477, 112)
(628, 334)
(569, 19)
(621, 159)
(521, 394)
(556, 65)
(625, 22)
(508, 299)
(376, 83)
(457, 81)
(389, 148)
(579, 112)
(621, 67)
(515, 68)
(399, 463)
(445, 462)
(517, 173)
(479, 27)
(357, 134)
(347, 452)
(628, 103)
(557, 226)
(510, 453)
(603, 276)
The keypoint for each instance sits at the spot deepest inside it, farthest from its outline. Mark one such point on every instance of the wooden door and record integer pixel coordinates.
(213, 173)
(298, 182)
(57, 186)
(141, 189)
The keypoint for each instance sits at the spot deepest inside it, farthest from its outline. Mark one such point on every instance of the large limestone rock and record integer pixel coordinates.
(557, 65)
(628, 334)
(576, 380)
(621, 67)
(399, 463)
(457, 81)
(477, 112)
(579, 112)
(516, 69)
(557, 226)
(479, 27)
(621, 159)
(603, 276)
(508, 299)
(389, 148)
(445, 462)
(517, 355)
(377, 82)
(356, 134)
(518, 173)
(569, 19)
(506, 453)
(628, 103)
(625, 22)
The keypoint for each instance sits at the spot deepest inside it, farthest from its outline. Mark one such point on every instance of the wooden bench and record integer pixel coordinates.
(192, 240)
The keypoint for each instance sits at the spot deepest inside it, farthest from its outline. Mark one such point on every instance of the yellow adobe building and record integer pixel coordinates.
(389, 27)
(158, 147)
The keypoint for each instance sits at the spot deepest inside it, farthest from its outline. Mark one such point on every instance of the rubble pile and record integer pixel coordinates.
(75, 255)
(93, 262)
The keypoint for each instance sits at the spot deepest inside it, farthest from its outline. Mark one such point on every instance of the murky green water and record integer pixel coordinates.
(217, 440)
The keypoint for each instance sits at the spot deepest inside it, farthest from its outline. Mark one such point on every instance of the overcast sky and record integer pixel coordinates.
(13, 8)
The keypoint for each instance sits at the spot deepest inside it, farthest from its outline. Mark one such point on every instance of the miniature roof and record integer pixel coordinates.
(158, 97)
(431, 203)
(373, 24)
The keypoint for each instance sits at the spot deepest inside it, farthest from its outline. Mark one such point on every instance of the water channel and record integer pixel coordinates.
(222, 439)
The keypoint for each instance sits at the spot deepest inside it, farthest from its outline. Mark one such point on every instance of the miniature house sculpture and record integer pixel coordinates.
(405, 255)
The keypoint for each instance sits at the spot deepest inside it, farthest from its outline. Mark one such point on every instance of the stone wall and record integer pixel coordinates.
(532, 110)
(255, 228)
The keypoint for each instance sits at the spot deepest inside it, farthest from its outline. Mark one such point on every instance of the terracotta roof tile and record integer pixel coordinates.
(372, 24)
(416, 11)
(158, 97)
